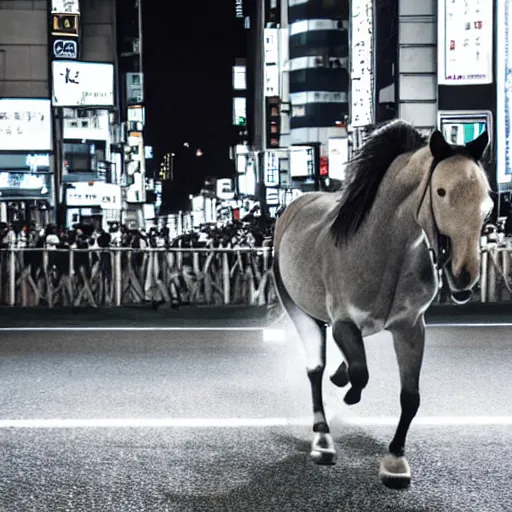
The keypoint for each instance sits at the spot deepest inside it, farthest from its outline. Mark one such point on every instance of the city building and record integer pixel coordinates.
(324, 73)
(71, 116)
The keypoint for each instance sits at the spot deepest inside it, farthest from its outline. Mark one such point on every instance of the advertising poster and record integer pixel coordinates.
(25, 125)
(78, 84)
(465, 36)
(504, 93)
(362, 93)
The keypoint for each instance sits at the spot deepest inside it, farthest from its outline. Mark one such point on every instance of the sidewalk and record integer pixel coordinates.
(214, 316)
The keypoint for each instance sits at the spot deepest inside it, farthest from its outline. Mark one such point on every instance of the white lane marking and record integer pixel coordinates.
(491, 325)
(99, 328)
(233, 329)
(428, 421)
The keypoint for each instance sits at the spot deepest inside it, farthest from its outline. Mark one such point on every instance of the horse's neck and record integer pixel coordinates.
(401, 193)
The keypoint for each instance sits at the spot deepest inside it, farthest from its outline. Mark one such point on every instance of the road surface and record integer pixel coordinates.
(172, 419)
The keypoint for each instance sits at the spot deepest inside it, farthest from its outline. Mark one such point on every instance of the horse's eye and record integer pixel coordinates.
(441, 192)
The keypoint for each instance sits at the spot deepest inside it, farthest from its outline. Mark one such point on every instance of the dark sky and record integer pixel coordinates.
(188, 50)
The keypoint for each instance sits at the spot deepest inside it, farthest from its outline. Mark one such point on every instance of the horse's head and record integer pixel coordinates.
(455, 206)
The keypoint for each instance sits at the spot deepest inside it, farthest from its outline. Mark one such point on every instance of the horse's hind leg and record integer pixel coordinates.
(409, 341)
(350, 341)
(312, 334)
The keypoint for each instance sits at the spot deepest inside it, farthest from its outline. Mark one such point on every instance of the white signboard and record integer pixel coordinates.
(23, 181)
(239, 111)
(338, 157)
(361, 78)
(302, 161)
(25, 125)
(271, 169)
(66, 6)
(105, 195)
(272, 196)
(225, 189)
(271, 45)
(465, 49)
(82, 84)
(239, 78)
(504, 92)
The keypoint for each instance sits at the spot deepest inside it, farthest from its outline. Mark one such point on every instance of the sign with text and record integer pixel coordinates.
(63, 48)
(504, 92)
(25, 125)
(465, 47)
(78, 84)
(105, 195)
(66, 6)
(271, 45)
(65, 25)
(361, 44)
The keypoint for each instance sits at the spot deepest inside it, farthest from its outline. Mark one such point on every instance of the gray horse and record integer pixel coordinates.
(368, 260)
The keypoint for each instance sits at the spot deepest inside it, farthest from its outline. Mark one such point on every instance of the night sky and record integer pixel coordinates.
(188, 50)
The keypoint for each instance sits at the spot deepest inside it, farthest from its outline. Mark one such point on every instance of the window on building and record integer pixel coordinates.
(83, 156)
(298, 110)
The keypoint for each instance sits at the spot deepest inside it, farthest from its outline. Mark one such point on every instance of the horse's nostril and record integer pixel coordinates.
(465, 277)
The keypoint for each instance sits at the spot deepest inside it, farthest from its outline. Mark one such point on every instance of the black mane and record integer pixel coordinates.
(366, 170)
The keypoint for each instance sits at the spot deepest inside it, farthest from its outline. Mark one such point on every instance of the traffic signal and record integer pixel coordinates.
(273, 122)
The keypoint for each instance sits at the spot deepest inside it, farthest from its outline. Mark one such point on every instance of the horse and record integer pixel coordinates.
(368, 258)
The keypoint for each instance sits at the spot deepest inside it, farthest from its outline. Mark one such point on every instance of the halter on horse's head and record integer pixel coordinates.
(454, 205)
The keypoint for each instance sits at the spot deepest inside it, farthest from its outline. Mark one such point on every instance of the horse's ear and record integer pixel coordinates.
(439, 148)
(477, 147)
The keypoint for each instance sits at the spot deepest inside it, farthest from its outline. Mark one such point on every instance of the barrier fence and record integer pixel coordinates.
(123, 276)
(177, 276)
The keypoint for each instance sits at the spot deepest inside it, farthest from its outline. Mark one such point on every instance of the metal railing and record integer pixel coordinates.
(176, 276)
(122, 276)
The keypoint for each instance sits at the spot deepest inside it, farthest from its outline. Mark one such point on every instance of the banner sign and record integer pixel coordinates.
(504, 92)
(78, 84)
(25, 125)
(66, 6)
(465, 42)
(105, 195)
(271, 46)
(361, 77)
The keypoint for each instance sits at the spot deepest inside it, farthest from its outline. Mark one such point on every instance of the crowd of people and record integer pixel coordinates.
(251, 231)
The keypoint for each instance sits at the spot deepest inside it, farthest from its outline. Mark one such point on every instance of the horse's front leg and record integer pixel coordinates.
(409, 341)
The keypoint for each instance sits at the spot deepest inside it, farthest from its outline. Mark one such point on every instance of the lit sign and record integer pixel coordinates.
(271, 46)
(65, 49)
(65, 24)
(239, 111)
(465, 53)
(66, 6)
(239, 9)
(271, 169)
(25, 125)
(82, 84)
(361, 75)
(504, 93)
(106, 195)
(302, 163)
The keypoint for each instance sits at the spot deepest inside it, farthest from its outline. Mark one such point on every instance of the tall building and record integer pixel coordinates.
(64, 114)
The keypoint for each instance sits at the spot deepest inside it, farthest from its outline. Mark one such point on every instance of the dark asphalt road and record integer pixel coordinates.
(219, 421)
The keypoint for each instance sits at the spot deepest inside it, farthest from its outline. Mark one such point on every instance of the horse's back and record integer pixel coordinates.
(295, 212)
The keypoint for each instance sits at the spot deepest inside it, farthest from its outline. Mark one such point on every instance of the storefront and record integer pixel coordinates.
(26, 180)
(93, 203)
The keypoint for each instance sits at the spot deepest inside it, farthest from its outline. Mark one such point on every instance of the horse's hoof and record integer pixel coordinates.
(395, 472)
(353, 396)
(322, 450)
(340, 376)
